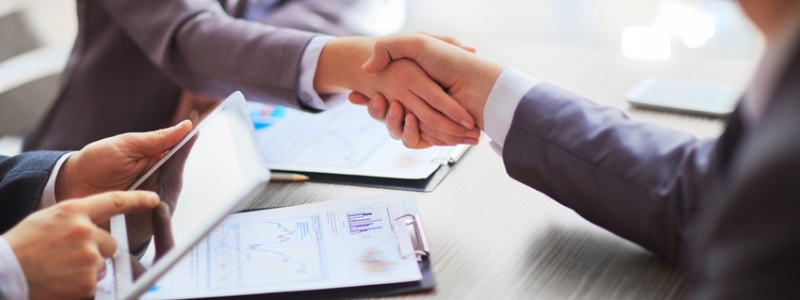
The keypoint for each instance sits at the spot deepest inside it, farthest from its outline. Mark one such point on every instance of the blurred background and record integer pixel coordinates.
(595, 48)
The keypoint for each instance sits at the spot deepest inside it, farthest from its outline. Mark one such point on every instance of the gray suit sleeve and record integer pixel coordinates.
(333, 17)
(203, 49)
(639, 181)
(22, 180)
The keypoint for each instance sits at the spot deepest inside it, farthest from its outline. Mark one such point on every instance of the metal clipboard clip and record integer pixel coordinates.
(419, 242)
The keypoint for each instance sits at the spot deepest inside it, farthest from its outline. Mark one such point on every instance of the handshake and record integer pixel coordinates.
(431, 89)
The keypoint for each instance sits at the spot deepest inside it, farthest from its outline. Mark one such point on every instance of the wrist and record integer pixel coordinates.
(66, 181)
(483, 77)
(339, 65)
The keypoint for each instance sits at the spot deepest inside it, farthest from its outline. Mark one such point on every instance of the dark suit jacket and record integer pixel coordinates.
(728, 210)
(22, 180)
(132, 58)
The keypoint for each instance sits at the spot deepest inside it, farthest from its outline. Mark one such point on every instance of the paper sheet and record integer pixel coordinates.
(339, 243)
(343, 140)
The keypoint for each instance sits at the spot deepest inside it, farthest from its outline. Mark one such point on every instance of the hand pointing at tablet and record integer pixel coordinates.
(61, 250)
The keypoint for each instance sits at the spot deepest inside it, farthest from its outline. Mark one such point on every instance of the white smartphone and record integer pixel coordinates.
(685, 96)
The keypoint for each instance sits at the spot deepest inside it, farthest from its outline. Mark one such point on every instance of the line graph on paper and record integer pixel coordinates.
(265, 253)
(366, 221)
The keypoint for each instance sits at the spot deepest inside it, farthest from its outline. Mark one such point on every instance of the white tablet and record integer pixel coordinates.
(212, 172)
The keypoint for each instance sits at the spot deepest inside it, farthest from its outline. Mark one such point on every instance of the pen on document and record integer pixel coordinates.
(287, 177)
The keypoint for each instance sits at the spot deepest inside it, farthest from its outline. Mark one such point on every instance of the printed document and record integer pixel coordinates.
(333, 244)
(343, 140)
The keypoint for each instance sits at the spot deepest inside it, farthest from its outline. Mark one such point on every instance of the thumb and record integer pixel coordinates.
(101, 207)
(159, 141)
(381, 55)
(401, 46)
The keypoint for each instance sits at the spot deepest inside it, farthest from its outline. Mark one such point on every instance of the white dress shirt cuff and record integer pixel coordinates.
(13, 284)
(498, 113)
(49, 194)
(308, 69)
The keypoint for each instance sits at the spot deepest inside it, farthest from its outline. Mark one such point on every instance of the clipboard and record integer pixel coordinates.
(418, 185)
(421, 251)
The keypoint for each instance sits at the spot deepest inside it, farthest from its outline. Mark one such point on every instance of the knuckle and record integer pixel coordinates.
(88, 255)
(69, 208)
(117, 199)
(435, 101)
(81, 231)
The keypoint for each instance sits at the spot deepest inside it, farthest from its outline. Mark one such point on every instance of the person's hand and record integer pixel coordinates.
(395, 117)
(115, 163)
(339, 68)
(61, 249)
(467, 77)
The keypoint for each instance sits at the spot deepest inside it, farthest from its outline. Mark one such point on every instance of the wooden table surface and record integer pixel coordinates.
(494, 238)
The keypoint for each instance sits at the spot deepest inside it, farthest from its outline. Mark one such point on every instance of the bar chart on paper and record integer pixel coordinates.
(366, 222)
(361, 222)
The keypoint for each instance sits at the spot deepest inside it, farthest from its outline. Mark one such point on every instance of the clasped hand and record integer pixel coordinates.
(467, 78)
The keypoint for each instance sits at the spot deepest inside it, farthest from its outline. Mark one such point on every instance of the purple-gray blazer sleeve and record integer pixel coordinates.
(324, 16)
(22, 180)
(639, 181)
(203, 49)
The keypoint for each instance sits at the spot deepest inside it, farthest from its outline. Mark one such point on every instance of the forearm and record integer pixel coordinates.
(208, 52)
(333, 17)
(640, 181)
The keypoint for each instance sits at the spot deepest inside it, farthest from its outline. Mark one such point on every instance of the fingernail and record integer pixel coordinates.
(375, 104)
(466, 123)
(391, 113)
(474, 133)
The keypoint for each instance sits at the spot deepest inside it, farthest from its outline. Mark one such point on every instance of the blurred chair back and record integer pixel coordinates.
(35, 41)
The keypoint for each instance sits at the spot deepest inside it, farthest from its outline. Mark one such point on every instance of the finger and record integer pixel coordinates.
(162, 230)
(432, 93)
(106, 244)
(411, 134)
(358, 98)
(378, 107)
(433, 140)
(159, 141)
(101, 207)
(430, 116)
(449, 139)
(395, 120)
